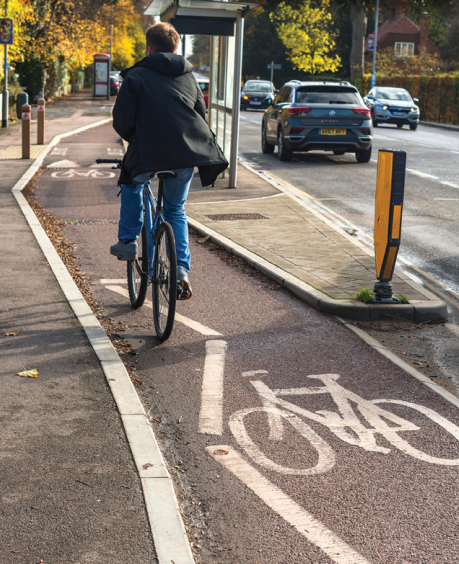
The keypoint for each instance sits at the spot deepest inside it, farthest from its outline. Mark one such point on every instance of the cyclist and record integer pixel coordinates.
(160, 111)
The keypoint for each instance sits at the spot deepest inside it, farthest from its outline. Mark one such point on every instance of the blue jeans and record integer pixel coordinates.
(175, 192)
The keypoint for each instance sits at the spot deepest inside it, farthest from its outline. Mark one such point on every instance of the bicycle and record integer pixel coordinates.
(344, 424)
(156, 261)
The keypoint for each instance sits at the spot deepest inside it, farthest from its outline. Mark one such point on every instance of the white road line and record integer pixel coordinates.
(449, 184)
(195, 325)
(105, 281)
(254, 373)
(456, 152)
(423, 174)
(447, 199)
(303, 521)
(211, 414)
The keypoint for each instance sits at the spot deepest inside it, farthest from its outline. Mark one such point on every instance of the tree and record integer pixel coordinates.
(359, 28)
(308, 36)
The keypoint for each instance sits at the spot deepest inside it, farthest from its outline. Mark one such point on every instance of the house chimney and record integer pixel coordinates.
(424, 26)
(399, 7)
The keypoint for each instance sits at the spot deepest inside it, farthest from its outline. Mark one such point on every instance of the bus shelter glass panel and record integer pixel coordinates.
(221, 90)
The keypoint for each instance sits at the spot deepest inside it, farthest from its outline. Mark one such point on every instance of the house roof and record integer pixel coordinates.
(398, 24)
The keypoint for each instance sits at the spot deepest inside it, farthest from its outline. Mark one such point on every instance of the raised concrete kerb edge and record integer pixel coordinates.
(418, 311)
(351, 309)
(169, 535)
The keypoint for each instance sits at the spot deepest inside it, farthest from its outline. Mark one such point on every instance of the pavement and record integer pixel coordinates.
(73, 488)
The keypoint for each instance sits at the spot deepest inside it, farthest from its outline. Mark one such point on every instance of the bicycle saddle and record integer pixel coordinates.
(162, 174)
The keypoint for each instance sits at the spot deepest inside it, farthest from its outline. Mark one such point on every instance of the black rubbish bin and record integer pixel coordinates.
(23, 98)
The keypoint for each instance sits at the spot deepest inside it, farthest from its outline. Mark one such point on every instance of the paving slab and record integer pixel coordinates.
(293, 238)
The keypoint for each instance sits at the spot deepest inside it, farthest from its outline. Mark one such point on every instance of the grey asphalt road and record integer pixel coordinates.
(430, 232)
(296, 461)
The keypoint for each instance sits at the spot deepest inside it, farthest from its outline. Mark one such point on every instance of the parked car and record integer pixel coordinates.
(311, 116)
(115, 84)
(257, 94)
(392, 105)
(203, 82)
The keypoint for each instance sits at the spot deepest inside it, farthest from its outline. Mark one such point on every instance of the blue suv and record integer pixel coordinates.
(324, 116)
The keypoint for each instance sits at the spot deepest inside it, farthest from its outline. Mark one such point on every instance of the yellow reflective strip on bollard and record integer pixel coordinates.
(390, 263)
(396, 222)
(382, 207)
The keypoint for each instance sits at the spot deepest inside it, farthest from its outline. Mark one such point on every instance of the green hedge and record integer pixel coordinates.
(438, 95)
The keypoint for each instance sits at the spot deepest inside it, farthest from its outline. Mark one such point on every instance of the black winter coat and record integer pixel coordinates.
(160, 111)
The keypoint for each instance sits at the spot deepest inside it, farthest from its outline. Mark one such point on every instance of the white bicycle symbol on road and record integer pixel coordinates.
(72, 173)
(346, 425)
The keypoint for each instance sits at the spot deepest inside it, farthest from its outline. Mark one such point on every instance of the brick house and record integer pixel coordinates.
(401, 34)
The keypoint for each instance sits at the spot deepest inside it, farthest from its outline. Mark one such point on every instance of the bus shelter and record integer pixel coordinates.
(224, 22)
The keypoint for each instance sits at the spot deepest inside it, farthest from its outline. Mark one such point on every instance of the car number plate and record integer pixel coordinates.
(399, 114)
(256, 103)
(333, 132)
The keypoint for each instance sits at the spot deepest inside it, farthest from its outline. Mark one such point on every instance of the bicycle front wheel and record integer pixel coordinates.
(164, 281)
(137, 272)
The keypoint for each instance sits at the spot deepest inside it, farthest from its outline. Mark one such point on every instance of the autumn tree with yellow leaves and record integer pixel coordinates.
(307, 33)
(54, 39)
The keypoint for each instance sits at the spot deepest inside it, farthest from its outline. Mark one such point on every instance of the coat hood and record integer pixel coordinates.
(166, 63)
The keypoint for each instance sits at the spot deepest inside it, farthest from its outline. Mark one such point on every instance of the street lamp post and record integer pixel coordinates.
(373, 76)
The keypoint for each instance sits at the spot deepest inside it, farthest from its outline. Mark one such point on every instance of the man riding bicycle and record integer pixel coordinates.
(160, 111)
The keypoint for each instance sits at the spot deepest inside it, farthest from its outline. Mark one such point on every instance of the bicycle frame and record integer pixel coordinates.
(153, 219)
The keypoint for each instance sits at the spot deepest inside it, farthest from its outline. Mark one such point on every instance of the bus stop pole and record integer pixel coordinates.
(236, 100)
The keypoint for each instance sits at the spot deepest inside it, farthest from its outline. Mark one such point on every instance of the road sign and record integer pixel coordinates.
(274, 67)
(6, 31)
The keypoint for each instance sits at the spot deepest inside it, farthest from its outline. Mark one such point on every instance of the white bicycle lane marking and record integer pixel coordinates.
(92, 173)
(195, 325)
(345, 425)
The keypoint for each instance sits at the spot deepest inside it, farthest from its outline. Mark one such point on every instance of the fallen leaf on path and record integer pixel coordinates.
(127, 487)
(416, 362)
(33, 507)
(14, 334)
(204, 239)
(16, 551)
(29, 373)
(220, 451)
(147, 465)
(133, 352)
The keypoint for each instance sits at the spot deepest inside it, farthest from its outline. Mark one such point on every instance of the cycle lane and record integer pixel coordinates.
(368, 506)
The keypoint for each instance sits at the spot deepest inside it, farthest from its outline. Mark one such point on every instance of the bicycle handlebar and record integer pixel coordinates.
(114, 161)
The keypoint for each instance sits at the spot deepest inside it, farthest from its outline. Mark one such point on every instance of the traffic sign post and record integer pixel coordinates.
(273, 66)
(6, 38)
(390, 188)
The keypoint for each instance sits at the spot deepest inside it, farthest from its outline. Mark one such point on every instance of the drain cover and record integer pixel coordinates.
(91, 221)
(235, 216)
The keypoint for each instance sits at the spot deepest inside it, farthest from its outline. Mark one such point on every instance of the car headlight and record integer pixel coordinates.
(413, 109)
(246, 97)
(385, 107)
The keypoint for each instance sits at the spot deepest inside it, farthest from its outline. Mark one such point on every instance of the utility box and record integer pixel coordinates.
(23, 98)
(102, 75)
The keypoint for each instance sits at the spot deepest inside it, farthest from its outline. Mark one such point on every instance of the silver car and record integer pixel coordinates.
(392, 105)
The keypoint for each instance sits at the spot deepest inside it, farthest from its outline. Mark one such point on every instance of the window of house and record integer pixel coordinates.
(404, 49)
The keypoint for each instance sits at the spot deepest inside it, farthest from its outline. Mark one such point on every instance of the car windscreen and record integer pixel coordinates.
(393, 94)
(257, 87)
(326, 95)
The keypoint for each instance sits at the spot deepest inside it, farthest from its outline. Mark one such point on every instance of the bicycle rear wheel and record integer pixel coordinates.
(164, 281)
(137, 272)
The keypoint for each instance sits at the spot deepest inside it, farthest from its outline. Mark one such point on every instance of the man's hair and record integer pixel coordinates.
(162, 38)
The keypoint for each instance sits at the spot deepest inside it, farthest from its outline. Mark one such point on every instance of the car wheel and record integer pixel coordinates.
(413, 126)
(363, 155)
(400, 125)
(338, 152)
(283, 153)
(266, 147)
